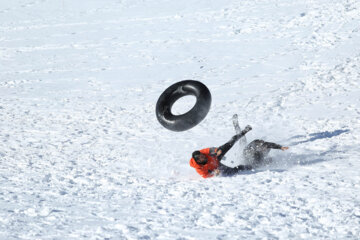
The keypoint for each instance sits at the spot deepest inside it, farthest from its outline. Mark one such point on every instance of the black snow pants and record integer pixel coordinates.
(229, 171)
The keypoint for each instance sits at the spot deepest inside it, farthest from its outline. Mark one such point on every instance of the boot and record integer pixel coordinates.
(246, 130)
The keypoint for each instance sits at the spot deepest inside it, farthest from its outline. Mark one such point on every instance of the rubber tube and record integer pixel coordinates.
(187, 120)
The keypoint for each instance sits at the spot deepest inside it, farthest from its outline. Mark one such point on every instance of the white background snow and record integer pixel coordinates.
(82, 155)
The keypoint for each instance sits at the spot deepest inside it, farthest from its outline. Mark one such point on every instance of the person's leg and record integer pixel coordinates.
(229, 171)
(238, 130)
(227, 146)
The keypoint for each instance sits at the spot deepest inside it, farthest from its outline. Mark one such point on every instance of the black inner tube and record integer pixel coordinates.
(187, 120)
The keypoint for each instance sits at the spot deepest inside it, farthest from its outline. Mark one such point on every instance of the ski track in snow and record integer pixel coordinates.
(82, 155)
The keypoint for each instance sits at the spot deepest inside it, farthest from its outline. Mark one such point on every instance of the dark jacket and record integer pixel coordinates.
(257, 150)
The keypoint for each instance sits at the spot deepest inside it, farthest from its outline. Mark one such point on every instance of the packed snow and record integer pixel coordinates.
(82, 155)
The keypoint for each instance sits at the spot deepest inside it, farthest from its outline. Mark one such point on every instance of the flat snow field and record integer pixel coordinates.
(82, 155)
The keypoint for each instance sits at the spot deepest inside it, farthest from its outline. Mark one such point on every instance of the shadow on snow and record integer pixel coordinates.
(316, 136)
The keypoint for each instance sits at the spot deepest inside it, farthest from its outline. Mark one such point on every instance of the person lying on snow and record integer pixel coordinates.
(207, 162)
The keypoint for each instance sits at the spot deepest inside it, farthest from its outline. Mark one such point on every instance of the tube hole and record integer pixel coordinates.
(183, 105)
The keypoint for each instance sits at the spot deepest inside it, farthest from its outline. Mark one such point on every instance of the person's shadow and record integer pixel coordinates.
(316, 136)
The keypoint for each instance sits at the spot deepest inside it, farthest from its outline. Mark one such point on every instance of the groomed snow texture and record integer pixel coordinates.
(82, 155)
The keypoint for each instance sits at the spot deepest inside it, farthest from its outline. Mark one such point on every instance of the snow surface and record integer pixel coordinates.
(82, 155)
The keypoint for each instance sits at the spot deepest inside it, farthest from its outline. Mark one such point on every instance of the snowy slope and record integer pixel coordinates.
(82, 155)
